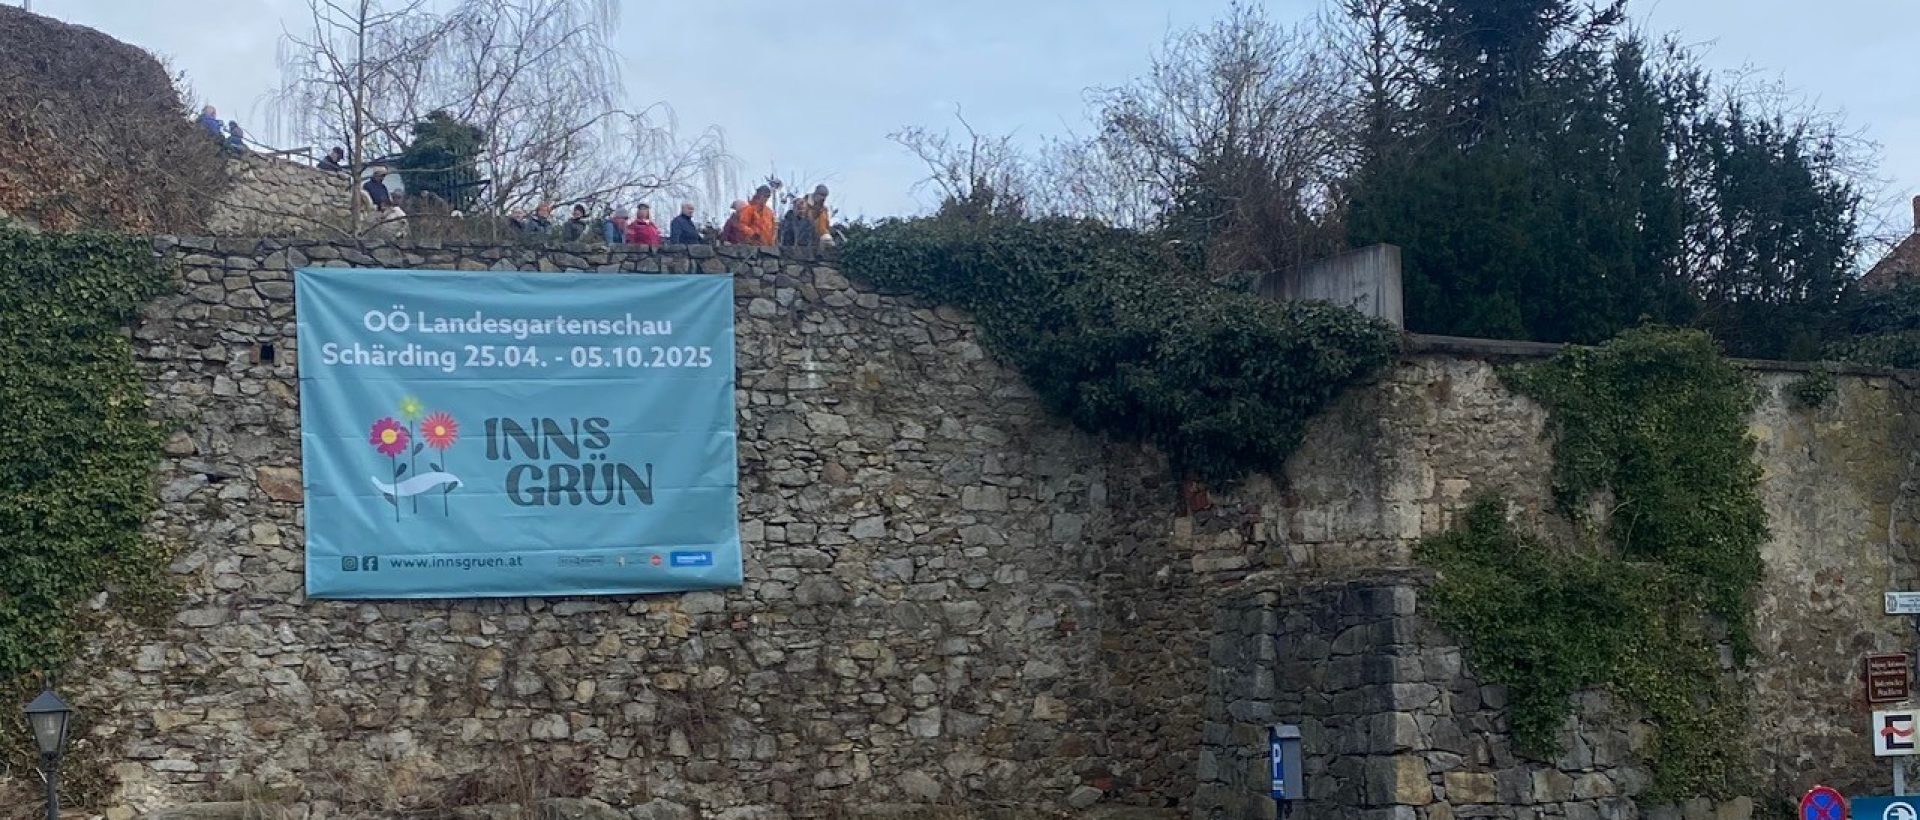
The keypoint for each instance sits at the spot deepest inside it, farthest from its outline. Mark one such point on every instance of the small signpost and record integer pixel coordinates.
(1894, 733)
(1889, 677)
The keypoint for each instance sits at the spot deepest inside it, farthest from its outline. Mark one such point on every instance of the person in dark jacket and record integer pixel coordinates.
(576, 229)
(796, 228)
(542, 219)
(683, 231)
(236, 138)
(335, 160)
(376, 189)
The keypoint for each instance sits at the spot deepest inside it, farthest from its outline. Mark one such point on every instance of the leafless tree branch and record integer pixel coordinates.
(538, 78)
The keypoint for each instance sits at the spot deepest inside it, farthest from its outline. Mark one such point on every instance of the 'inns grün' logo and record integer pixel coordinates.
(403, 442)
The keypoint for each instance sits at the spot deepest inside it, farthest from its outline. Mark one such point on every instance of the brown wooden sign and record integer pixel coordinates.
(1889, 677)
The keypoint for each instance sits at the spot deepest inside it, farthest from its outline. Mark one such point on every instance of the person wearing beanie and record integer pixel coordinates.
(376, 188)
(757, 222)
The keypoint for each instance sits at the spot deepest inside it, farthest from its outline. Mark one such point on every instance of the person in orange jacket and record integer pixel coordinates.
(756, 220)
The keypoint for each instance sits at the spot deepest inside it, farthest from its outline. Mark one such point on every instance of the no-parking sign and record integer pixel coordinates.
(1823, 803)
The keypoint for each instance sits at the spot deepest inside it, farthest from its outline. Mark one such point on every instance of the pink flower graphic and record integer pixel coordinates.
(389, 437)
(441, 430)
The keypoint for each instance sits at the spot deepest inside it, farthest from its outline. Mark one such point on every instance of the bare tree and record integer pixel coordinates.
(336, 73)
(1236, 140)
(979, 174)
(1238, 136)
(538, 78)
(976, 175)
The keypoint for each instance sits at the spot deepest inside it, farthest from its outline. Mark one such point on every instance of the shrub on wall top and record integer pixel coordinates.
(1112, 339)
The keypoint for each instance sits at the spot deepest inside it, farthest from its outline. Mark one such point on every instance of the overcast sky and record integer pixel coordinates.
(811, 89)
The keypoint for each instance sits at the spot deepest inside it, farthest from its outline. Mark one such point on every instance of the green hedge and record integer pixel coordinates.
(1879, 327)
(1115, 338)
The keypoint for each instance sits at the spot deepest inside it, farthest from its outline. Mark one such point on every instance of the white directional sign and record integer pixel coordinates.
(1894, 733)
(1903, 603)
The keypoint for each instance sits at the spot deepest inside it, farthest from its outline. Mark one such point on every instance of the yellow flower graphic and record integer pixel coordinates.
(411, 409)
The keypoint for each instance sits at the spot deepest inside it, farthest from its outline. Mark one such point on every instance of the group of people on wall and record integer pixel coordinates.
(231, 137)
(808, 221)
(623, 227)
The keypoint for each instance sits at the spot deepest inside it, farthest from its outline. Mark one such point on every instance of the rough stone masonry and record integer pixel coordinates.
(920, 623)
(952, 599)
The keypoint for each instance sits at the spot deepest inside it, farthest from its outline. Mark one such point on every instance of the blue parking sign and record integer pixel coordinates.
(1885, 808)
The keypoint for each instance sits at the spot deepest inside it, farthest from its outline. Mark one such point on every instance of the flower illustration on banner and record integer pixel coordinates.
(398, 441)
(440, 430)
(411, 409)
(389, 437)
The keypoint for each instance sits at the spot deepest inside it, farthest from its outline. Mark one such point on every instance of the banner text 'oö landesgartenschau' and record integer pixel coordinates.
(492, 434)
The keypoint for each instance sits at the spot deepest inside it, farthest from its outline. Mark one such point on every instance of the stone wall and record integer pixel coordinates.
(1841, 504)
(1398, 461)
(1394, 725)
(267, 196)
(952, 599)
(916, 626)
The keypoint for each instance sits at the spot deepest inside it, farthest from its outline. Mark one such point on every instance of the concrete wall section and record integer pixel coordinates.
(1367, 280)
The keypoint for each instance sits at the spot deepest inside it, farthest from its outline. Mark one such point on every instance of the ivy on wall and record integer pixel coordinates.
(1655, 423)
(1223, 382)
(77, 449)
(1813, 389)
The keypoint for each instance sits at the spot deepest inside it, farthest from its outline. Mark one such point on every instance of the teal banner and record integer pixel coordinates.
(499, 434)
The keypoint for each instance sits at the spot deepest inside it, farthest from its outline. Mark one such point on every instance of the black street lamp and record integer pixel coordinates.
(47, 716)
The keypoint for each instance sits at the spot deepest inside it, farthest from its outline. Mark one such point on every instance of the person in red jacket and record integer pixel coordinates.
(642, 231)
(732, 233)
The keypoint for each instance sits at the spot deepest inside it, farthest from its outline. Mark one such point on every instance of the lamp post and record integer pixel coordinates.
(47, 716)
